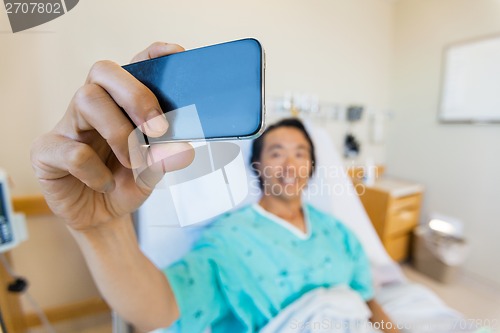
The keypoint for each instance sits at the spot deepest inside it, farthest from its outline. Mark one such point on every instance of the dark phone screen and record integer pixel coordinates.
(223, 81)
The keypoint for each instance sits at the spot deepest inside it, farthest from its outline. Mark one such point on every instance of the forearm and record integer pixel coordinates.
(129, 282)
(379, 316)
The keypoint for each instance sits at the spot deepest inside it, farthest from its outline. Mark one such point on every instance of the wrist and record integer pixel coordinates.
(119, 227)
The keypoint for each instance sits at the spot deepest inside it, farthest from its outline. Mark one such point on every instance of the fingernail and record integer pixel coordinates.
(169, 48)
(157, 125)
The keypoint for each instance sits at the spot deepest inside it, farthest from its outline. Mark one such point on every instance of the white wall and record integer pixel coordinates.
(338, 49)
(458, 164)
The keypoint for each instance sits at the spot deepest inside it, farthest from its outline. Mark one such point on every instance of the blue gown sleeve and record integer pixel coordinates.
(362, 280)
(195, 282)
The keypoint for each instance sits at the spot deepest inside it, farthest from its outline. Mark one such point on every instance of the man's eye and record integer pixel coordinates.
(275, 155)
(301, 155)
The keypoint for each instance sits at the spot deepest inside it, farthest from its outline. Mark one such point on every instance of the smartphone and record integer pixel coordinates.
(223, 83)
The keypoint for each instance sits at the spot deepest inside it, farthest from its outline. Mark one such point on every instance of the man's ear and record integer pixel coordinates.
(255, 167)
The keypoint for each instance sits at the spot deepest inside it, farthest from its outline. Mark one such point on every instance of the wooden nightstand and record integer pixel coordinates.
(394, 209)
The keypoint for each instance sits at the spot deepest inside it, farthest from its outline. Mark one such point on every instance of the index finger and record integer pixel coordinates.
(138, 102)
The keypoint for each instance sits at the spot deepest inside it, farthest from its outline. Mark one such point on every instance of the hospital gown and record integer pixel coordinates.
(250, 264)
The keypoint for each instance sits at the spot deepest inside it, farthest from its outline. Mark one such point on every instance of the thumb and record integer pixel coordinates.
(160, 159)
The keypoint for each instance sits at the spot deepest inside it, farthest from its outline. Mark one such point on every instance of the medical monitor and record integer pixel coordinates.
(7, 235)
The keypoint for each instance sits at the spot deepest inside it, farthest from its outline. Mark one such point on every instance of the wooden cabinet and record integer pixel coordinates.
(394, 209)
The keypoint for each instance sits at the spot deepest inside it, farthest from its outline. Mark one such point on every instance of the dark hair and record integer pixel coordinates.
(258, 144)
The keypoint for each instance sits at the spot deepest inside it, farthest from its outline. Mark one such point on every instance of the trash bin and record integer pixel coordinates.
(438, 255)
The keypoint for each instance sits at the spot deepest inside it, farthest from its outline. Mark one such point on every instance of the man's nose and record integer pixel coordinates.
(290, 163)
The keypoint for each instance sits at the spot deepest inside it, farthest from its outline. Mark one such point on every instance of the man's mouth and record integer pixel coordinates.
(288, 180)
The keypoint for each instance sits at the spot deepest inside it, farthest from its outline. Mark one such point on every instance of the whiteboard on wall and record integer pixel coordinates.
(470, 90)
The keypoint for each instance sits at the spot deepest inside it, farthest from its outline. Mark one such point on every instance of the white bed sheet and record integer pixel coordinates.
(417, 309)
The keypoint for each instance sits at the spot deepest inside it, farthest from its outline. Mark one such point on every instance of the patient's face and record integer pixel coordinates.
(285, 163)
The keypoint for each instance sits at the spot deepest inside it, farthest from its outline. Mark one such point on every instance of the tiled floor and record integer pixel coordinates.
(476, 300)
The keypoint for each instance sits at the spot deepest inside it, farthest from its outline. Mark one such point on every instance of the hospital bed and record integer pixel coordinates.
(413, 306)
